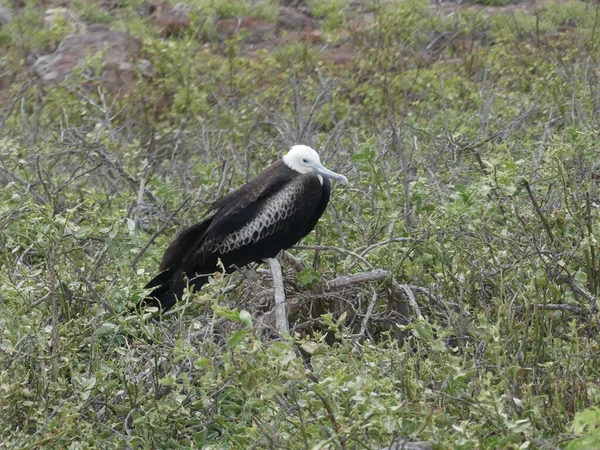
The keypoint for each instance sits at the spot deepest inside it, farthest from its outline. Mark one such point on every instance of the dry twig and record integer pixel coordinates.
(155, 235)
(296, 263)
(332, 248)
(578, 290)
(365, 322)
(362, 277)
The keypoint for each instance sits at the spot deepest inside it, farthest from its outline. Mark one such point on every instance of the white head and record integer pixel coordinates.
(304, 159)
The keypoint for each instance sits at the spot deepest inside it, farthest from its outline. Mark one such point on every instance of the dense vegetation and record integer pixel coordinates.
(470, 142)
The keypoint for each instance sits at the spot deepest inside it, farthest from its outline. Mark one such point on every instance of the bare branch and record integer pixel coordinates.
(133, 183)
(155, 235)
(280, 307)
(140, 198)
(362, 277)
(29, 188)
(557, 307)
(365, 322)
(411, 298)
(296, 263)
(365, 250)
(578, 290)
(539, 211)
(89, 285)
(335, 249)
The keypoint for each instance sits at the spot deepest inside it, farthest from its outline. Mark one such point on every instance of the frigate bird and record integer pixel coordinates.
(270, 213)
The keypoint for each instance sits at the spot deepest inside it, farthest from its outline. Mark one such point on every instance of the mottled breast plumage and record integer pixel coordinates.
(274, 211)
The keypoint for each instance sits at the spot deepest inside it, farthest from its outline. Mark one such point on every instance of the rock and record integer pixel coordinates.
(120, 51)
(257, 30)
(172, 20)
(98, 27)
(339, 55)
(145, 67)
(313, 36)
(5, 15)
(56, 15)
(289, 18)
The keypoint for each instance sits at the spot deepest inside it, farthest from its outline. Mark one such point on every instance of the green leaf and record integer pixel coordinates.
(314, 348)
(246, 318)
(423, 330)
(202, 362)
(309, 278)
(229, 314)
(200, 437)
(236, 338)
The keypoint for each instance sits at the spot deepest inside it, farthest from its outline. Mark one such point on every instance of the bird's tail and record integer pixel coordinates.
(168, 289)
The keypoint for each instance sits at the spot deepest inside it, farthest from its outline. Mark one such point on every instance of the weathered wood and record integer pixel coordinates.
(281, 321)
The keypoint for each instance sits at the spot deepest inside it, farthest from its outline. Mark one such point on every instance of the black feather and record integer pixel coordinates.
(190, 258)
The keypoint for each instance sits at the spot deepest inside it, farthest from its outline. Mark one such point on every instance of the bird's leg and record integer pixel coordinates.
(281, 321)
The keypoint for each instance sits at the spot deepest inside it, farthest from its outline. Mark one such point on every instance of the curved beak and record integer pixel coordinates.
(324, 171)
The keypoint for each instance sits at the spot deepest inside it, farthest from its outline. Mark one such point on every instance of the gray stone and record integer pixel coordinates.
(120, 53)
(256, 30)
(289, 18)
(173, 20)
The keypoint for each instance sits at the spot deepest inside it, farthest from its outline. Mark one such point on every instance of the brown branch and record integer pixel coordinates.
(504, 128)
(140, 198)
(592, 250)
(29, 188)
(538, 211)
(133, 183)
(332, 419)
(439, 300)
(296, 263)
(381, 275)
(404, 163)
(55, 347)
(89, 285)
(560, 307)
(578, 290)
(40, 300)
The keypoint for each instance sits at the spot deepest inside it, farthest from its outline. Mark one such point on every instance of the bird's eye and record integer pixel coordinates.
(304, 160)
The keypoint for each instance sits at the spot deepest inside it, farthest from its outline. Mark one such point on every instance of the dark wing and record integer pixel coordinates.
(185, 241)
(264, 184)
(264, 227)
(230, 210)
(177, 252)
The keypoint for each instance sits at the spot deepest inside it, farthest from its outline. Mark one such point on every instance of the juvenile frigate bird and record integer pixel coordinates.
(270, 213)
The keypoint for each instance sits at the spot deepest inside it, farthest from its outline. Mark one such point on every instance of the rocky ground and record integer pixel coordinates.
(124, 55)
